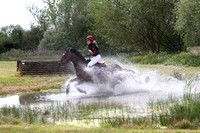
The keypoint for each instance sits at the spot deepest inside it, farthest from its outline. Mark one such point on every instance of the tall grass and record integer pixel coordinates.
(56, 111)
(106, 114)
(179, 112)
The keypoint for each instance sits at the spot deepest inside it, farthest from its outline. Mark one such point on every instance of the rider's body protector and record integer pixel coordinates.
(93, 49)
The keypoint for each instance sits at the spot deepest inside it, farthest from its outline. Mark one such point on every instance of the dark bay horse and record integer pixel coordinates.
(99, 73)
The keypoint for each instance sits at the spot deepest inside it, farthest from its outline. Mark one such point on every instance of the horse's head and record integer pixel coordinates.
(66, 56)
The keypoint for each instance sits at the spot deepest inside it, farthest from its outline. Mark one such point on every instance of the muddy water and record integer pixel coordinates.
(134, 92)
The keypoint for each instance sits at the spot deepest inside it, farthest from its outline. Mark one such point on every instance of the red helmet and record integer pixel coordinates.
(91, 38)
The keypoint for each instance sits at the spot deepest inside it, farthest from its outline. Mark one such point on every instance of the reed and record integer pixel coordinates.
(178, 112)
(106, 114)
(57, 111)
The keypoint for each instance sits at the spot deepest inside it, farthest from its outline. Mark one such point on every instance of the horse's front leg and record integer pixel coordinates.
(68, 85)
(78, 82)
(79, 89)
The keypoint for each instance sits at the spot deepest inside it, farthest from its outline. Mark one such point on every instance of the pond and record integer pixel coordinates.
(129, 98)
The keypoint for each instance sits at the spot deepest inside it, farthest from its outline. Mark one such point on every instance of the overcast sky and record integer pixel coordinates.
(15, 12)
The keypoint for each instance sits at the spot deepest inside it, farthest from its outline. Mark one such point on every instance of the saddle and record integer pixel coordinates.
(100, 64)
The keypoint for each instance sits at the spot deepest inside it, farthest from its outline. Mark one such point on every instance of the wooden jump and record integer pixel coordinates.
(43, 68)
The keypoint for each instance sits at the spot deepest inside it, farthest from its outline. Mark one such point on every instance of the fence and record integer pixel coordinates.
(44, 68)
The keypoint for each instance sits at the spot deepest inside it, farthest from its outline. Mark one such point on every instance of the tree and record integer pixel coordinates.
(31, 38)
(69, 25)
(5, 43)
(188, 21)
(40, 16)
(156, 19)
(17, 37)
(136, 25)
(11, 37)
(55, 40)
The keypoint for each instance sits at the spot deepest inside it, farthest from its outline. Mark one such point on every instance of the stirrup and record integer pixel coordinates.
(103, 62)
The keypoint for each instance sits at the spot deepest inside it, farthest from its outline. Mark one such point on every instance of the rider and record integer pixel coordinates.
(93, 50)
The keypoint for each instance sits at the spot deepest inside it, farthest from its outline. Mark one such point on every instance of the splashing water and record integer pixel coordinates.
(131, 82)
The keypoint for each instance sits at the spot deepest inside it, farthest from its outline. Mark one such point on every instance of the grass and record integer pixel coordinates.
(62, 111)
(182, 113)
(72, 129)
(68, 128)
(174, 71)
(9, 82)
(28, 81)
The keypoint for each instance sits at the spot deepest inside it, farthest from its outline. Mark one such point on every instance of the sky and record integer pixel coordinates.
(16, 12)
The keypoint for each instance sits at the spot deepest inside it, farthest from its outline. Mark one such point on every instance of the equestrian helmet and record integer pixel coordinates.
(91, 38)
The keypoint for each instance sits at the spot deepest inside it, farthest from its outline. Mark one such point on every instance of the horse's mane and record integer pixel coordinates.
(79, 54)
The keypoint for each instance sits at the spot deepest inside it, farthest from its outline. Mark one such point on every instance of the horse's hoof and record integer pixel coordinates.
(67, 88)
(67, 91)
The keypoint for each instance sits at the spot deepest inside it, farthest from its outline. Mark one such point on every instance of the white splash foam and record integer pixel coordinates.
(9, 101)
(133, 82)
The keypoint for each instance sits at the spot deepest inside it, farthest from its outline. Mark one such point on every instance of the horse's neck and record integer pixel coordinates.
(79, 64)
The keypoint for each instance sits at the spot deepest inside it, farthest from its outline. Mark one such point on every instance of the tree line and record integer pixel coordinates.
(140, 26)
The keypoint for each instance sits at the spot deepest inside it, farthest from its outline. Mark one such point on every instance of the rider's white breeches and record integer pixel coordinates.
(94, 60)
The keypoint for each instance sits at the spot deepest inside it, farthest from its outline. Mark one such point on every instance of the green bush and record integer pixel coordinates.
(182, 59)
(17, 54)
(151, 58)
(12, 53)
(185, 124)
(185, 59)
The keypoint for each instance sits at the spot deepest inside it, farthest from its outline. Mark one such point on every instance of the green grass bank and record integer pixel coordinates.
(10, 82)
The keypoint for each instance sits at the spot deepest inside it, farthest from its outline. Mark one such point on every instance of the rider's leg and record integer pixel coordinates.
(94, 60)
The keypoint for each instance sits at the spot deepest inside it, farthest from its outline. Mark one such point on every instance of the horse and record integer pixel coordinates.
(99, 74)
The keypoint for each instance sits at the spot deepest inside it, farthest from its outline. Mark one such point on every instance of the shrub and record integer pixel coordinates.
(183, 59)
(13, 53)
(39, 54)
(16, 122)
(150, 58)
(185, 124)
(2, 122)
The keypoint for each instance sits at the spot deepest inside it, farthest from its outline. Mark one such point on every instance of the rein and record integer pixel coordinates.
(87, 56)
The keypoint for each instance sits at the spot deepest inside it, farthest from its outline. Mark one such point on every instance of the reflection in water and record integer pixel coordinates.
(31, 98)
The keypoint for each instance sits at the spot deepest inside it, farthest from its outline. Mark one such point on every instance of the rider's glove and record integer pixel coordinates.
(90, 52)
